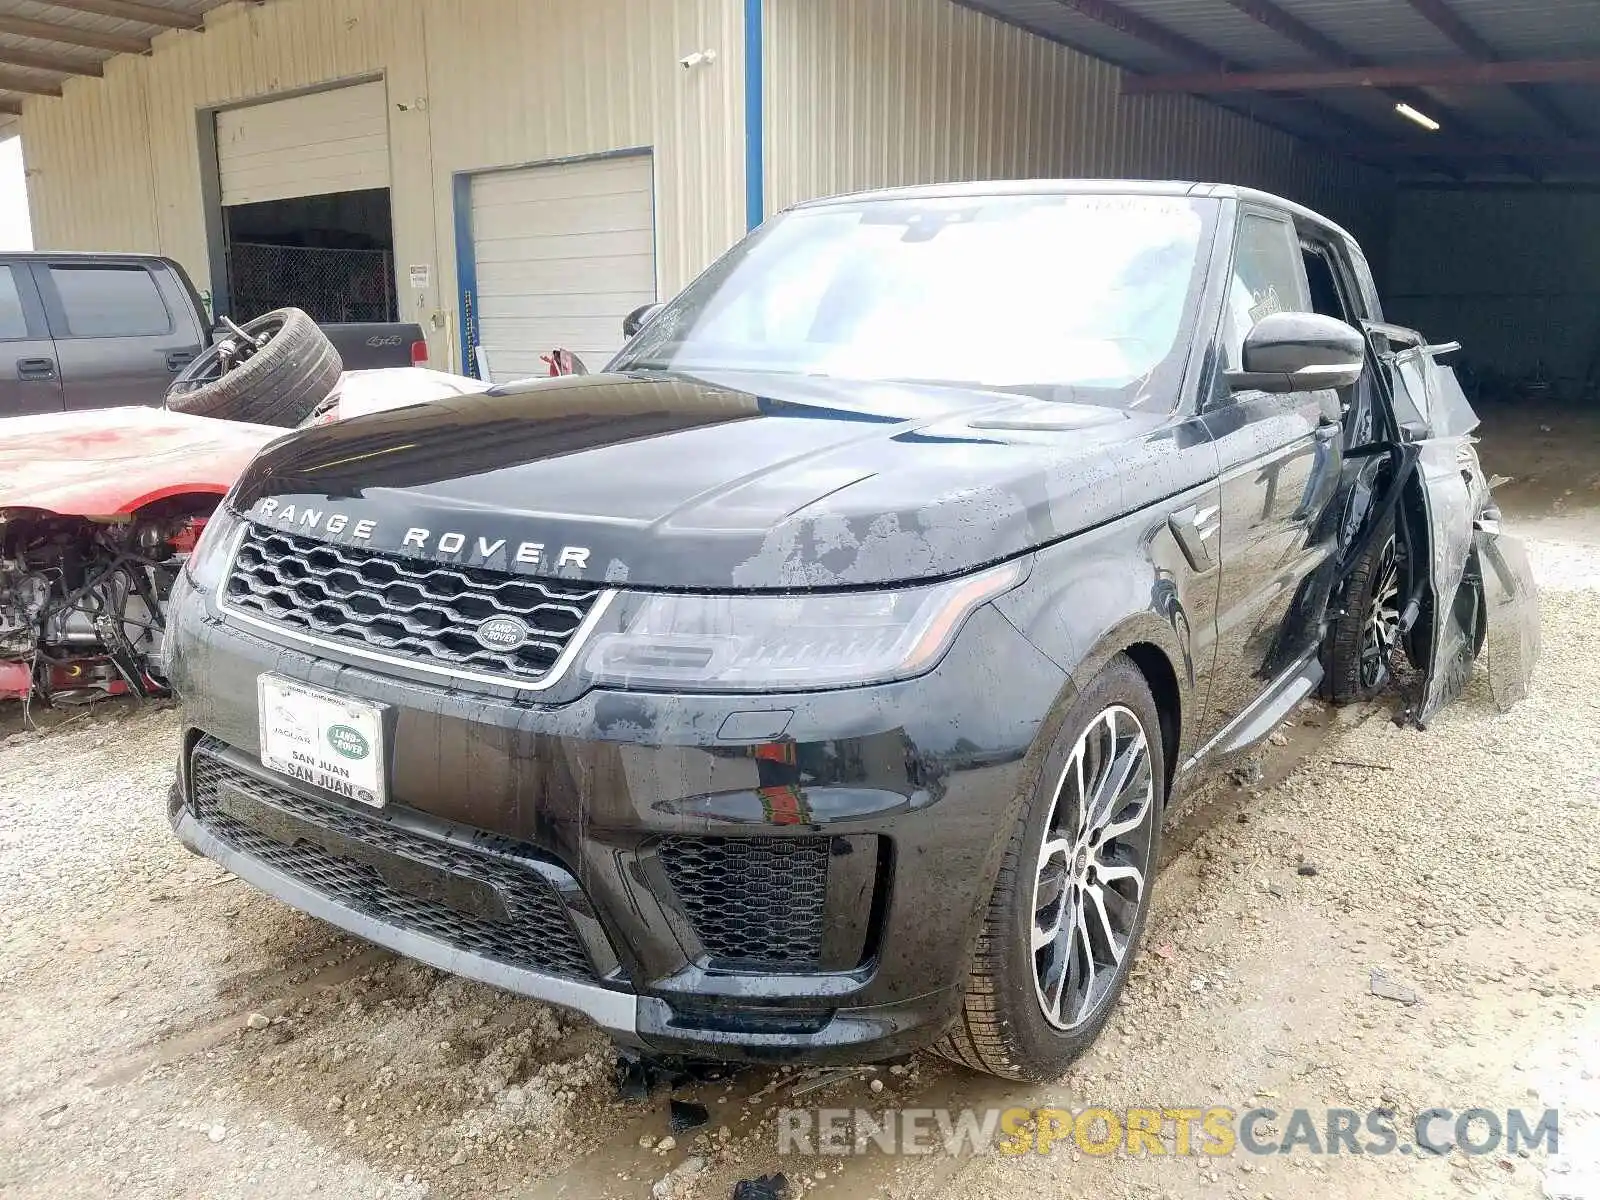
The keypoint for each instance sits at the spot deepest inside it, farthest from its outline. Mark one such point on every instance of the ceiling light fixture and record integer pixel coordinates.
(1421, 118)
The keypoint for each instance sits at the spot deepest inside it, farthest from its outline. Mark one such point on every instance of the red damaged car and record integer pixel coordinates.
(98, 511)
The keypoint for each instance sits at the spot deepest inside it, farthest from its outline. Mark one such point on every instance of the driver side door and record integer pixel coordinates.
(1280, 460)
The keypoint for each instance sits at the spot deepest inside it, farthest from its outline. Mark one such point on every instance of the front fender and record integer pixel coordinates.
(1123, 584)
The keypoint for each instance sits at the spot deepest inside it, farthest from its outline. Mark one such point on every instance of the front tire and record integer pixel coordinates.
(1073, 891)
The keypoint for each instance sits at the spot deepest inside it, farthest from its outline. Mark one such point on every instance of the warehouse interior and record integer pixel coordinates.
(1475, 123)
(331, 254)
(1484, 115)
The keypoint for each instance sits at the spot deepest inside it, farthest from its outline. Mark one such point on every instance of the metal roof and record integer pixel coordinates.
(1545, 129)
(44, 44)
(1556, 125)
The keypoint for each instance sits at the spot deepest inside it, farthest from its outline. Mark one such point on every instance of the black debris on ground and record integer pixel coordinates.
(635, 1075)
(765, 1187)
(639, 1076)
(683, 1115)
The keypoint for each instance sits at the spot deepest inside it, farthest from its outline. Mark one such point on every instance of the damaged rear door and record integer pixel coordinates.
(1471, 590)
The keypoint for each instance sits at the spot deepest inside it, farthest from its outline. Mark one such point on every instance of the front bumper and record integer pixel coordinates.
(761, 877)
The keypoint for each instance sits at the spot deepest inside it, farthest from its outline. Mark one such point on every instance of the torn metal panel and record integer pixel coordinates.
(1511, 603)
(1452, 640)
(1433, 415)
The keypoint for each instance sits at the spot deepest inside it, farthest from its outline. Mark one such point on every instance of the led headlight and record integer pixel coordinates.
(210, 557)
(793, 642)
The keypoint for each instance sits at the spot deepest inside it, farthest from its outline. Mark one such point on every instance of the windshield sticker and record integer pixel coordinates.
(1170, 206)
(1266, 303)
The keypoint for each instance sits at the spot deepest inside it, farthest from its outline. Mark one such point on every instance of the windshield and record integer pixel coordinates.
(1080, 297)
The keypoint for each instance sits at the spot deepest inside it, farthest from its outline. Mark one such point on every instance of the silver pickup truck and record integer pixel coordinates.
(82, 330)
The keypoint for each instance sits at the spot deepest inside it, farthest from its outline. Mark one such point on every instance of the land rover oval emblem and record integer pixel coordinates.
(502, 633)
(348, 742)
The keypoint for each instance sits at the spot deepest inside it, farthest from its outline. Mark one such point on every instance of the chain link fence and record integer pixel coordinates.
(331, 285)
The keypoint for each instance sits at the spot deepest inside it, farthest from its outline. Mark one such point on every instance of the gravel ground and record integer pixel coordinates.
(169, 1032)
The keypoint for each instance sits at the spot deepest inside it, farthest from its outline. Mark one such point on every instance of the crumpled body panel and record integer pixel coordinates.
(1511, 602)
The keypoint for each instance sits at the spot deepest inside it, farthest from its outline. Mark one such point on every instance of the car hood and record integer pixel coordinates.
(736, 481)
(113, 461)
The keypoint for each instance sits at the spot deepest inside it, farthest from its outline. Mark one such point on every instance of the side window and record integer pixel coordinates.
(1326, 296)
(110, 301)
(13, 323)
(1268, 277)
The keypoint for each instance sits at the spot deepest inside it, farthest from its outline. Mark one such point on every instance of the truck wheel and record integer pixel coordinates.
(1365, 635)
(279, 383)
(1073, 891)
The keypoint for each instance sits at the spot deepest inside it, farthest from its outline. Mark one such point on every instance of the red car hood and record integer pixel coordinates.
(112, 461)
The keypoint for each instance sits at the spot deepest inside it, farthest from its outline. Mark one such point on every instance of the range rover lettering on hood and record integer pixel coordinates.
(445, 543)
(697, 483)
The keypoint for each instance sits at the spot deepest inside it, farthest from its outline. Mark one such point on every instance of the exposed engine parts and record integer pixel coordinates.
(82, 602)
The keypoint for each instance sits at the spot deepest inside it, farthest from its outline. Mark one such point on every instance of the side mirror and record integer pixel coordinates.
(634, 321)
(1299, 352)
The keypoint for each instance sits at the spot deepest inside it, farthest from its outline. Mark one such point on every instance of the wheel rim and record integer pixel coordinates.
(208, 366)
(1093, 868)
(1382, 632)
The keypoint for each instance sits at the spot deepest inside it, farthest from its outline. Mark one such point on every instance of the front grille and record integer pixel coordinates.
(404, 608)
(752, 900)
(482, 904)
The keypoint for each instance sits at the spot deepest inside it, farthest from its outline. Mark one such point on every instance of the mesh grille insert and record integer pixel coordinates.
(755, 900)
(404, 607)
(481, 904)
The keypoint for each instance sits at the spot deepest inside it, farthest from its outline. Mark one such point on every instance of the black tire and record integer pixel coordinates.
(1002, 1028)
(1359, 662)
(280, 384)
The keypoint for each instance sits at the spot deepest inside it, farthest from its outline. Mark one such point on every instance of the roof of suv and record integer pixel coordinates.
(1088, 187)
(85, 255)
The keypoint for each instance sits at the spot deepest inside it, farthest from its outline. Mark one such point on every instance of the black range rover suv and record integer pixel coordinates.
(811, 683)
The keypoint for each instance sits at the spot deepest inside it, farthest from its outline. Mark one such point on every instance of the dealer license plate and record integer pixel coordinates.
(324, 739)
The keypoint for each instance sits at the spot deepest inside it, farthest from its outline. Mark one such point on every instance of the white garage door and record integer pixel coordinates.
(563, 254)
(333, 141)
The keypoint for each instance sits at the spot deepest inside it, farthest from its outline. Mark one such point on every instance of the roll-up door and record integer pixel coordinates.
(563, 253)
(311, 145)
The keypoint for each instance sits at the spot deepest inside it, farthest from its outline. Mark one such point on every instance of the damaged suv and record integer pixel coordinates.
(811, 683)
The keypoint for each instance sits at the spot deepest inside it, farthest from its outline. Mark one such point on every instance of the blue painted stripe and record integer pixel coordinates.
(466, 273)
(755, 187)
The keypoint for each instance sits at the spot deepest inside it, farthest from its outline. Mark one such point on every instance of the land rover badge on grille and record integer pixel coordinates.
(502, 633)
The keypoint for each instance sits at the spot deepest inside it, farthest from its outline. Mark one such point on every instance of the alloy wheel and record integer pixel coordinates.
(1382, 632)
(1094, 867)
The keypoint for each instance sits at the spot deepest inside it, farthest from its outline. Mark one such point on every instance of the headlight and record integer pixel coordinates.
(210, 558)
(789, 643)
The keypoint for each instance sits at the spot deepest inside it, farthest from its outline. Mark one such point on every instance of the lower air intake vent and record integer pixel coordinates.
(753, 900)
(482, 904)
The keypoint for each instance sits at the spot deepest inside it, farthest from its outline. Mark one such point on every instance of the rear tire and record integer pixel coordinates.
(1066, 898)
(280, 384)
(1365, 636)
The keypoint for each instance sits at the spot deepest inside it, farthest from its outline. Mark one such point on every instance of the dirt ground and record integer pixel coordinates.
(165, 1031)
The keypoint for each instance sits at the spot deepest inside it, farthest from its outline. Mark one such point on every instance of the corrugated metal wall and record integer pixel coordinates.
(1512, 274)
(522, 81)
(859, 93)
(472, 84)
(876, 93)
(90, 177)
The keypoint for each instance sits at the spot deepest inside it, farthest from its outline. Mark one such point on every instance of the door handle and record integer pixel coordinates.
(179, 359)
(36, 369)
